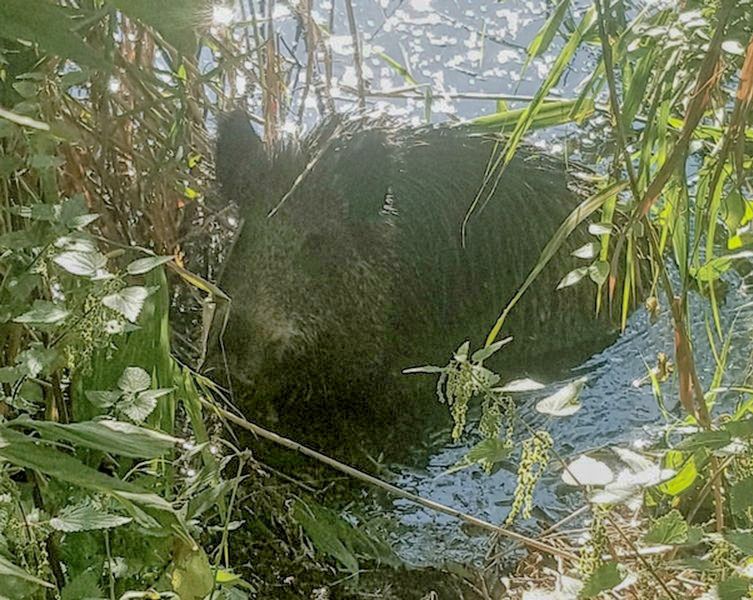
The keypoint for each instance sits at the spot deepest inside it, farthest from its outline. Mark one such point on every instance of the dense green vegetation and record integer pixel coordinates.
(118, 478)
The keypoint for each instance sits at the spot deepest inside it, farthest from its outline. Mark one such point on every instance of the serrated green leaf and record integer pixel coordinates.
(605, 577)
(709, 440)
(43, 313)
(669, 529)
(520, 385)
(322, 526)
(51, 27)
(741, 496)
(134, 380)
(84, 586)
(8, 569)
(587, 471)
(102, 399)
(192, 577)
(733, 588)
(86, 517)
(137, 407)
(741, 539)
(85, 264)
(128, 301)
(430, 369)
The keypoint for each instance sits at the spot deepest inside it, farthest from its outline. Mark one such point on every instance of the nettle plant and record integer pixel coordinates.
(108, 478)
(666, 492)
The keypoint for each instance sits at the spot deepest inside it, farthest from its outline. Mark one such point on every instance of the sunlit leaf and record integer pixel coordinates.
(564, 402)
(686, 473)
(520, 385)
(44, 313)
(114, 437)
(587, 471)
(144, 265)
(587, 251)
(86, 264)
(134, 380)
(128, 301)
(86, 517)
(572, 277)
(485, 352)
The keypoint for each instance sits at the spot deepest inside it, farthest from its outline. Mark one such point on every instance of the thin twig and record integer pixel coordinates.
(388, 487)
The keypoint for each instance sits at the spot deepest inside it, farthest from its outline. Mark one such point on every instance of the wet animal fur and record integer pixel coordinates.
(361, 273)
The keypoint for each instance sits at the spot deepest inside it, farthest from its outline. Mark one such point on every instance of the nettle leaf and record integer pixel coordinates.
(635, 461)
(76, 242)
(82, 221)
(669, 529)
(134, 380)
(43, 313)
(37, 359)
(84, 586)
(86, 517)
(520, 385)
(102, 399)
(710, 440)
(138, 407)
(144, 265)
(85, 264)
(587, 471)
(563, 402)
(734, 588)
(572, 277)
(743, 539)
(488, 451)
(605, 577)
(128, 301)
(741, 496)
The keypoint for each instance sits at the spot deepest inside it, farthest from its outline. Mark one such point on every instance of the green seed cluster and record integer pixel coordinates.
(491, 417)
(23, 540)
(723, 556)
(459, 387)
(96, 319)
(591, 553)
(533, 460)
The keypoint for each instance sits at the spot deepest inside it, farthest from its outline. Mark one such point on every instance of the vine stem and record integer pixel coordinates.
(529, 542)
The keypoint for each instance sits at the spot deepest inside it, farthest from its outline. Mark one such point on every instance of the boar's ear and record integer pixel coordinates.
(241, 158)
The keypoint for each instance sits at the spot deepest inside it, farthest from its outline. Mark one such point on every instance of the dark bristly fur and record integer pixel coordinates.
(361, 273)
